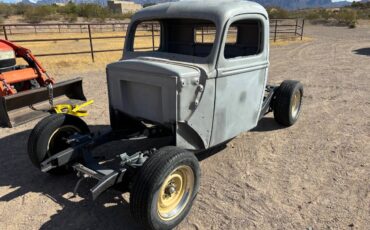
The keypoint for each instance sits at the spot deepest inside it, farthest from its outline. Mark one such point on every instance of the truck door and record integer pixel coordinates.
(242, 74)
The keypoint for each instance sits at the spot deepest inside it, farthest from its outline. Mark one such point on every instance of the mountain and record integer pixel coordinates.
(287, 4)
(27, 2)
(295, 4)
(301, 4)
(47, 2)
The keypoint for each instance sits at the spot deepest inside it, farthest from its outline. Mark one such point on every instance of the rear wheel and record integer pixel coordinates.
(164, 190)
(50, 136)
(287, 102)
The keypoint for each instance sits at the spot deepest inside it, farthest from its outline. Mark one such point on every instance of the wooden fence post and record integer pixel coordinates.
(276, 25)
(296, 27)
(302, 30)
(91, 44)
(5, 34)
(153, 42)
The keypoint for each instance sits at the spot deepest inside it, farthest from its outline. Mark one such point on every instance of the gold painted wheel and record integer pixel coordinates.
(296, 104)
(175, 192)
(287, 102)
(165, 187)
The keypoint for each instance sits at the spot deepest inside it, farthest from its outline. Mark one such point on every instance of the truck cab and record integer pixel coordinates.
(203, 72)
(197, 81)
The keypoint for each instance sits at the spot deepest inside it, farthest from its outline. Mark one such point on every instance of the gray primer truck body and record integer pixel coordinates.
(206, 99)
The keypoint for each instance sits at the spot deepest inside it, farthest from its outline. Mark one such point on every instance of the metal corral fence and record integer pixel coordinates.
(285, 28)
(279, 29)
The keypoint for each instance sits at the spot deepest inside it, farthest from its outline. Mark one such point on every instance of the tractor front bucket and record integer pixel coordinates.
(32, 104)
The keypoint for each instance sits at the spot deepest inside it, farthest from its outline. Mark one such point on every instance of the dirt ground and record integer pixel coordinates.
(312, 175)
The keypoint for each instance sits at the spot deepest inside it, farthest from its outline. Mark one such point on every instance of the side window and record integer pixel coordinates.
(244, 38)
(147, 36)
(232, 35)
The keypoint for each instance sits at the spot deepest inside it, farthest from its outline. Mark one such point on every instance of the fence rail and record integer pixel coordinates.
(279, 29)
(292, 27)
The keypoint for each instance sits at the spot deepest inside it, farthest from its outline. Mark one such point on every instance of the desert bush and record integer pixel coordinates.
(123, 16)
(70, 12)
(127, 15)
(20, 8)
(38, 14)
(69, 9)
(347, 17)
(6, 10)
(360, 5)
(70, 18)
(277, 13)
(93, 11)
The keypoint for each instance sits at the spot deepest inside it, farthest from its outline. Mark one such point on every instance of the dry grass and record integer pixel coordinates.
(291, 40)
(82, 63)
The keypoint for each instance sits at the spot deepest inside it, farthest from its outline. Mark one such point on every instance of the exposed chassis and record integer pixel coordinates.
(80, 154)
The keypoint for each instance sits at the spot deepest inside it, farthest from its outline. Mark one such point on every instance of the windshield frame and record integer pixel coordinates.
(129, 43)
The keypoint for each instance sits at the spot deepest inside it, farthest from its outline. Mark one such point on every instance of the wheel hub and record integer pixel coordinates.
(170, 189)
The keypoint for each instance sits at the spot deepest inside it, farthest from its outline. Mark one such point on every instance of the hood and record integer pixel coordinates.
(147, 88)
(155, 66)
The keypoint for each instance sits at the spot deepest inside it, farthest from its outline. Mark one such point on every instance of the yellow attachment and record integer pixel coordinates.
(74, 110)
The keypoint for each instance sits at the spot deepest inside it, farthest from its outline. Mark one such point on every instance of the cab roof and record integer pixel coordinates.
(216, 11)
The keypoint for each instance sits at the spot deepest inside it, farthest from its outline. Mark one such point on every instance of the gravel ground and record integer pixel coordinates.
(314, 174)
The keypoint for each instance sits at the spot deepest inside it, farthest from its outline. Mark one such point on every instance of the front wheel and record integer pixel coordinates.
(164, 190)
(287, 102)
(50, 136)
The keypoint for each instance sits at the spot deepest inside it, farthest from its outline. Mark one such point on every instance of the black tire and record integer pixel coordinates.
(288, 102)
(47, 138)
(149, 185)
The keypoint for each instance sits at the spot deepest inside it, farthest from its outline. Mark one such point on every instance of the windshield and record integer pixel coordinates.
(180, 36)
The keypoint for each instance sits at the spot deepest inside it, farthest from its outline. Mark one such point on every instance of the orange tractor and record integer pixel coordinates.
(25, 88)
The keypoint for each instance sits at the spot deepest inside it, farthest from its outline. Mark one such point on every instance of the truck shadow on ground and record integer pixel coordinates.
(267, 124)
(109, 211)
(362, 51)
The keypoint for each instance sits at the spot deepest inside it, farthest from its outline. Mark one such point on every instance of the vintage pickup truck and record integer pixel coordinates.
(202, 82)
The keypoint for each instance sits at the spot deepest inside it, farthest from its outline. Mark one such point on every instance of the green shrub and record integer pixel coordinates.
(93, 11)
(123, 16)
(69, 9)
(70, 18)
(70, 12)
(277, 13)
(347, 17)
(38, 14)
(6, 10)
(20, 8)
